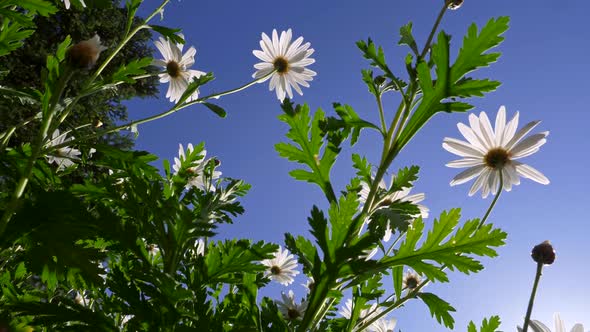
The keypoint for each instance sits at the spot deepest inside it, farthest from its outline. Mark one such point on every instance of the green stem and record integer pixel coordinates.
(126, 40)
(381, 115)
(37, 148)
(161, 115)
(529, 310)
(491, 207)
(434, 28)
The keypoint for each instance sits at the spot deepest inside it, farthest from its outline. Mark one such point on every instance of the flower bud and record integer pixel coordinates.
(455, 4)
(543, 253)
(85, 54)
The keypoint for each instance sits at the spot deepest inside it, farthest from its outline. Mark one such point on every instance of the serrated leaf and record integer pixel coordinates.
(349, 122)
(341, 216)
(41, 7)
(439, 309)
(472, 54)
(361, 164)
(473, 87)
(169, 33)
(377, 57)
(407, 38)
(487, 325)
(450, 250)
(126, 72)
(308, 141)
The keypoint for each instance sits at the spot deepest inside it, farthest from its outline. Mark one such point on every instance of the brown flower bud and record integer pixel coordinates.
(455, 4)
(543, 253)
(85, 54)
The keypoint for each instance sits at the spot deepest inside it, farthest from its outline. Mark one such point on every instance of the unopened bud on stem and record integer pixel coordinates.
(85, 54)
(455, 4)
(543, 253)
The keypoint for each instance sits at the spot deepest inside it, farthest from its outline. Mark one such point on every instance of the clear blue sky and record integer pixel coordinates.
(543, 69)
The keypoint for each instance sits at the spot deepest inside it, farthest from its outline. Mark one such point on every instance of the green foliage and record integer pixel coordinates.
(349, 122)
(439, 309)
(487, 325)
(307, 135)
(377, 57)
(17, 21)
(450, 81)
(26, 63)
(407, 38)
(452, 253)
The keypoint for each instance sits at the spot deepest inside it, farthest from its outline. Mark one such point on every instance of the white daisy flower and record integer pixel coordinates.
(282, 268)
(177, 68)
(67, 3)
(289, 308)
(198, 177)
(537, 326)
(400, 195)
(411, 280)
(488, 152)
(384, 325)
(64, 155)
(200, 247)
(81, 299)
(288, 60)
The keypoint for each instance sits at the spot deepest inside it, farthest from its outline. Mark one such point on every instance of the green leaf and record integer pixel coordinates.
(349, 121)
(319, 229)
(132, 7)
(308, 141)
(12, 36)
(407, 38)
(377, 57)
(397, 274)
(40, 7)
(362, 166)
(472, 54)
(126, 72)
(487, 325)
(194, 86)
(341, 215)
(439, 309)
(449, 250)
(304, 249)
(171, 34)
(216, 109)
(469, 87)
(224, 259)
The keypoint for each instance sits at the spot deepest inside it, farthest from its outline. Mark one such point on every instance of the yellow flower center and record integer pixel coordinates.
(281, 65)
(275, 270)
(497, 158)
(173, 69)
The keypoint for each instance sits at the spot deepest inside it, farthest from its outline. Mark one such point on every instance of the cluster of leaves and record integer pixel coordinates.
(127, 244)
(21, 68)
(338, 260)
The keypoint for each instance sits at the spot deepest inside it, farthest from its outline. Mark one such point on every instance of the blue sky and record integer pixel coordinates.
(543, 69)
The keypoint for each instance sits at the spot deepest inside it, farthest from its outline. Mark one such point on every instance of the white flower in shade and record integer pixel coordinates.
(282, 268)
(177, 67)
(200, 247)
(384, 325)
(383, 202)
(309, 284)
(537, 326)
(197, 177)
(125, 319)
(62, 156)
(400, 195)
(81, 299)
(153, 250)
(67, 3)
(289, 308)
(372, 311)
(490, 152)
(411, 280)
(288, 61)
